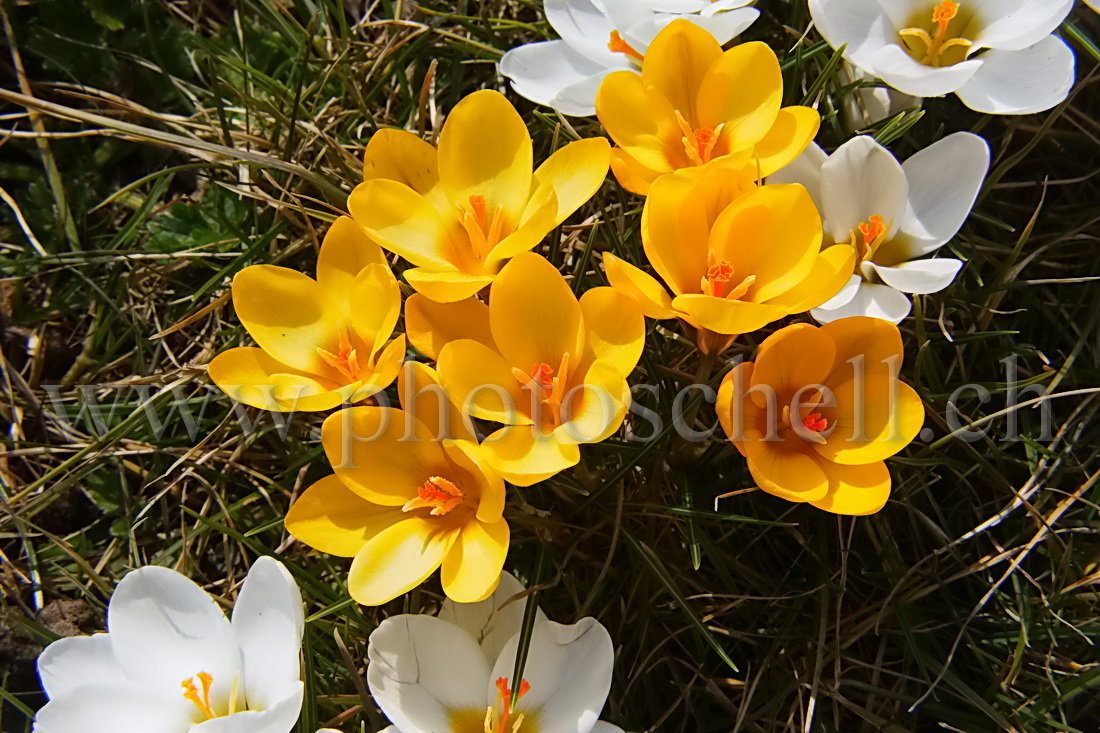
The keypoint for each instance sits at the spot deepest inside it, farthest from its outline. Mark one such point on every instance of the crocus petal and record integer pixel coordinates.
(471, 570)
(632, 175)
(1012, 25)
(860, 25)
(332, 518)
(534, 316)
(77, 661)
(793, 358)
(381, 453)
(445, 286)
(855, 490)
(541, 71)
(110, 708)
(679, 60)
(249, 375)
(165, 629)
(537, 219)
(490, 621)
(423, 669)
(431, 325)
(404, 222)
(870, 299)
(602, 727)
(399, 558)
(832, 271)
(862, 179)
(345, 251)
(844, 296)
(468, 457)
(742, 89)
(920, 277)
(569, 670)
(805, 170)
(585, 26)
(896, 67)
(485, 150)
(579, 98)
(594, 409)
(650, 295)
(794, 129)
(731, 317)
(723, 26)
(944, 180)
(875, 343)
(1033, 79)
(481, 382)
(399, 155)
(422, 395)
(874, 418)
(785, 472)
(524, 457)
(640, 121)
(268, 622)
(575, 172)
(279, 718)
(373, 305)
(614, 329)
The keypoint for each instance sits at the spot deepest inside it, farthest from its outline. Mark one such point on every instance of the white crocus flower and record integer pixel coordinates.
(893, 214)
(599, 37)
(450, 674)
(171, 662)
(998, 55)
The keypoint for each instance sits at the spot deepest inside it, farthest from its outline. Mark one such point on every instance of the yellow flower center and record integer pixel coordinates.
(201, 700)
(484, 233)
(698, 142)
(438, 494)
(618, 45)
(930, 47)
(717, 280)
(345, 359)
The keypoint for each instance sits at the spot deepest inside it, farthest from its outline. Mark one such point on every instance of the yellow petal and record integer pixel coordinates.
(246, 374)
(832, 269)
(481, 382)
(288, 314)
(730, 317)
(332, 518)
(445, 286)
(384, 370)
(631, 175)
(399, 155)
(793, 131)
(423, 396)
(575, 173)
(345, 251)
(856, 490)
(431, 325)
(471, 570)
(650, 295)
(537, 220)
(373, 305)
(468, 455)
(677, 62)
(485, 150)
(399, 558)
(614, 329)
(788, 474)
(406, 223)
(873, 342)
(731, 405)
(381, 453)
(792, 358)
(534, 316)
(594, 409)
(874, 419)
(524, 456)
(742, 90)
(641, 122)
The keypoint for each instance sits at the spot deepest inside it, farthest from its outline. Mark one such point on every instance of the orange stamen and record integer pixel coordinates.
(477, 205)
(873, 231)
(484, 233)
(191, 693)
(345, 360)
(437, 493)
(618, 45)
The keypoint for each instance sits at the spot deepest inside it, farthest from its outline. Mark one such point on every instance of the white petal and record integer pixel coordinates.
(806, 171)
(896, 67)
(584, 25)
(422, 668)
(489, 624)
(861, 24)
(900, 11)
(569, 670)
(279, 718)
(622, 14)
(579, 99)
(861, 179)
(876, 301)
(844, 296)
(540, 71)
(268, 622)
(1015, 24)
(602, 727)
(718, 6)
(944, 180)
(921, 276)
(1021, 82)
(695, 6)
(165, 629)
(68, 664)
(116, 708)
(723, 26)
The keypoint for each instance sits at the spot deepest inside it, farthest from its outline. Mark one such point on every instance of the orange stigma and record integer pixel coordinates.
(618, 45)
(191, 693)
(816, 423)
(504, 699)
(543, 375)
(437, 493)
(718, 275)
(874, 232)
(699, 143)
(484, 233)
(944, 13)
(345, 359)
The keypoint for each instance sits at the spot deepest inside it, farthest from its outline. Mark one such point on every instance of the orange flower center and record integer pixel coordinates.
(699, 143)
(345, 359)
(550, 384)
(484, 233)
(930, 47)
(504, 702)
(816, 423)
(867, 238)
(618, 45)
(810, 428)
(717, 280)
(438, 494)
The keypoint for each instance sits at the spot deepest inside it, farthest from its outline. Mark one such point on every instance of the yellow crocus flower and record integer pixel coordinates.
(735, 255)
(460, 212)
(404, 502)
(693, 104)
(819, 410)
(549, 368)
(321, 342)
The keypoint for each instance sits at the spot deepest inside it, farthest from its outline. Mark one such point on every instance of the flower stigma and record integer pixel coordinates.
(698, 143)
(811, 428)
(551, 388)
(504, 702)
(484, 233)
(936, 43)
(719, 274)
(345, 360)
(437, 493)
(618, 45)
(202, 700)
